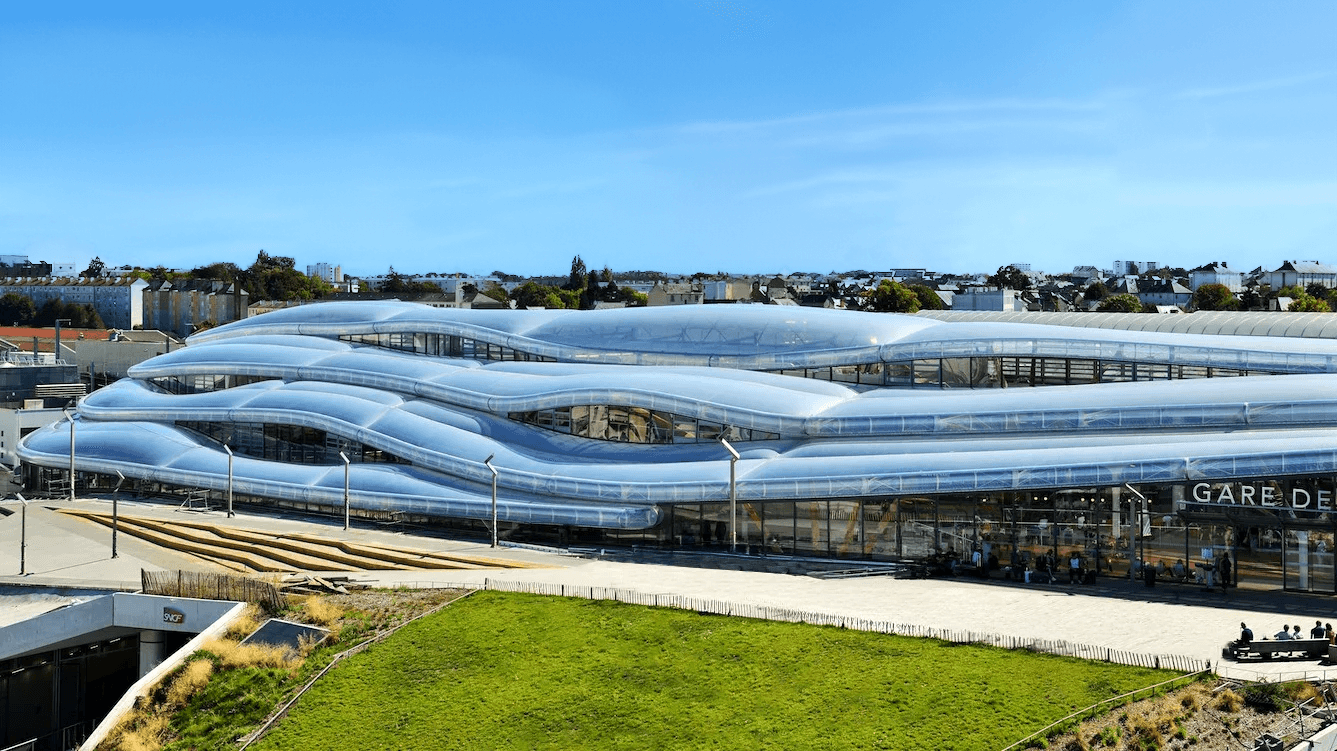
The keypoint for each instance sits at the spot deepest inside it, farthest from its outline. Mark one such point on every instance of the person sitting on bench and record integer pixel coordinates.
(1179, 571)
(1241, 645)
(1284, 634)
(1317, 632)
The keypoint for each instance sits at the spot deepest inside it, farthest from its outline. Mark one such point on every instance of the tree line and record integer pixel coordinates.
(19, 310)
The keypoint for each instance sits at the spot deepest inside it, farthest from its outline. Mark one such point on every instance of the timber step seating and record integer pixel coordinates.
(254, 550)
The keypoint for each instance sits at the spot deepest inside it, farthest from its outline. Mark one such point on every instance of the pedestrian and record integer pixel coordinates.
(1239, 647)
(1074, 568)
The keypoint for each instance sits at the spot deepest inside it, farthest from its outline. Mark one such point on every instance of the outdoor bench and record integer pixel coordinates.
(1265, 649)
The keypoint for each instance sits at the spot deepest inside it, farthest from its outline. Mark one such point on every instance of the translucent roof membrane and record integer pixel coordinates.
(763, 337)
(445, 416)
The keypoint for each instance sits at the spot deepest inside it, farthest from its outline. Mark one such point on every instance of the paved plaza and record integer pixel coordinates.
(1167, 619)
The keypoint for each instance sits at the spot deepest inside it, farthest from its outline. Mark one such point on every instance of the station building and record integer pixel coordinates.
(857, 435)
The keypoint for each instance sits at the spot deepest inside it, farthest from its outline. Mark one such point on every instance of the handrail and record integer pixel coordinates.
(1120, 697)
(379, 636)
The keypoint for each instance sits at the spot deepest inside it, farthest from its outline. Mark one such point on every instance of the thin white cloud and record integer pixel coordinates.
(1253, 86)
(1232, 195)
(869, 135)
(900, 110)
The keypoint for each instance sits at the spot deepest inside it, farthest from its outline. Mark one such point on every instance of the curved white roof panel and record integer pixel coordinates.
(800, 438)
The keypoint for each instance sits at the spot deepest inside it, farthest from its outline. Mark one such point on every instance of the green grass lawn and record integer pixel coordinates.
(503, 670)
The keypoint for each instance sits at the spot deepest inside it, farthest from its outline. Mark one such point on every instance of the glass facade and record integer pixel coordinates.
(203, 384)
(444, 345)
(636, 425)
(1004, 372)
(1109, 529)
(288, 443)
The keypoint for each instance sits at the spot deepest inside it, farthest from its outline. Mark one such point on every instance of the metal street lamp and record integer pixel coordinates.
(228, 449)
(115, 511)
(70, 415)
(1134, 527)
(23, 536)
(733, 496)
(488, 462)
(347, 464)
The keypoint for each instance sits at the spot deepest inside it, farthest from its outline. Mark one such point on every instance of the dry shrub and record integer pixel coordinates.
(232, 655)
(1229, 701)
(1146, 731)
(246, 623)
(307, 643)
(1302, 691)
(322, 611)
(1194, 697)
(188, 682)
(146, 736)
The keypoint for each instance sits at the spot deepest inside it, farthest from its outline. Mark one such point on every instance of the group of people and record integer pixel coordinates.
(1320, 630)
(1221, 572)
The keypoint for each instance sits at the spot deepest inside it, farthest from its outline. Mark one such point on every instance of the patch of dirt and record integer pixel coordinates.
(1205, 717)
(389, 607)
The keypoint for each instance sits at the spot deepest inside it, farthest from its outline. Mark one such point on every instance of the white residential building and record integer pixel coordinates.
(1216, 273)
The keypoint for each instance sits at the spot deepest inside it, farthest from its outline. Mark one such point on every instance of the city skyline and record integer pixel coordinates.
(679, 137)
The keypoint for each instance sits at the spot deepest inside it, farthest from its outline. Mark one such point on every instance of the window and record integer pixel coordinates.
(635, 425)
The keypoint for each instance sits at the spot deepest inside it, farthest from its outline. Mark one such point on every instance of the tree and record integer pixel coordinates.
(532, 295)
(79, 316)
(497, 293)
(276, 278)
(1302, 301)
(1309, 304)
(577, 278)
(928, 299)
(1215, 297)
(220, 272)
(1010, 277)
(95, 269)
(1096, 290)
(17, 310)
(891, 296)
(1124, 303)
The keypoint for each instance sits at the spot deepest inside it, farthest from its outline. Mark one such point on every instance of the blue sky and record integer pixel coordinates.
(684, 135)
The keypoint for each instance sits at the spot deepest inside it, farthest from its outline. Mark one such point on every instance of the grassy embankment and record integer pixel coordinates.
(514, 671)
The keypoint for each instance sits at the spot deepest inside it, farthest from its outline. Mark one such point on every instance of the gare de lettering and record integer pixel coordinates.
(1263, 494)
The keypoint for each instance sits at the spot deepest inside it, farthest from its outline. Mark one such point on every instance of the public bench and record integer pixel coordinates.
(1266, 649)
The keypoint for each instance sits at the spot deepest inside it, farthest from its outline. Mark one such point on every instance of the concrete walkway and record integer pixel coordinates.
(65, 551)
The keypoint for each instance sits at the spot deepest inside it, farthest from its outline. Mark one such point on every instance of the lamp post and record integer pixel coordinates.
(23, 536)
(70, 415)
(228, 449)
(488, 462)
(733, 496)
(1134, 527)
(115, 511)
(347, 464)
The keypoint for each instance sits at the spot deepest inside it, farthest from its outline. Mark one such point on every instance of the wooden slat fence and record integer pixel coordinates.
(707, 606)
(212, 586)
